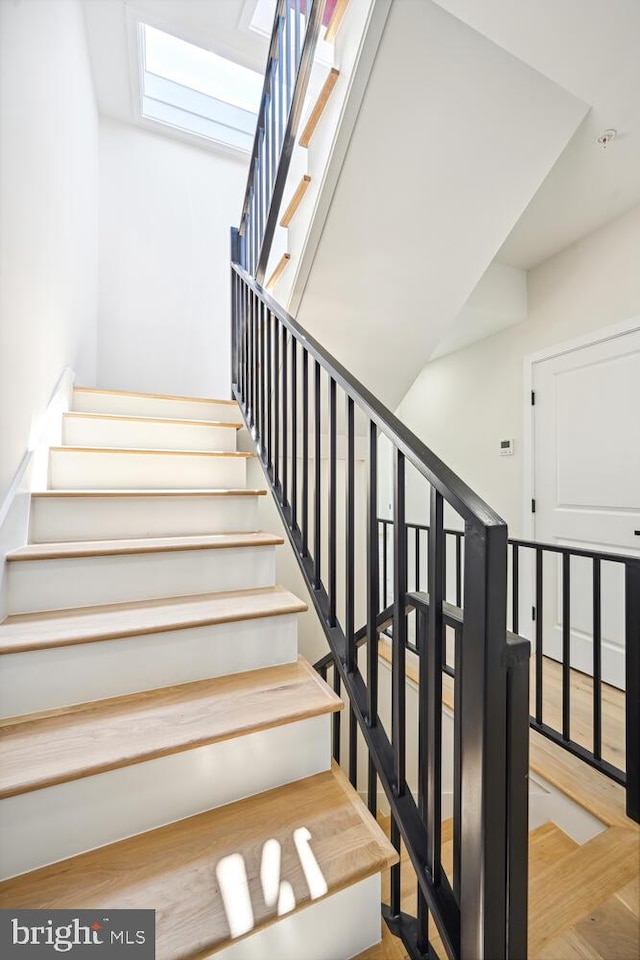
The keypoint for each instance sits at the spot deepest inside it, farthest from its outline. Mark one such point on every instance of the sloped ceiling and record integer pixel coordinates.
(454, 138)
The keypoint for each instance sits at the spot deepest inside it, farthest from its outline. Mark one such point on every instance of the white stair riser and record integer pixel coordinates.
(60, 821)
(78, 470)
(62, 676)
(148, 406)
(83, 581)
(334, 928)
(81, 432)
(112, 518)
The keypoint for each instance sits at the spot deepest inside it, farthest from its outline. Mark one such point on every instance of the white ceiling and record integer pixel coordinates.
(592, 49)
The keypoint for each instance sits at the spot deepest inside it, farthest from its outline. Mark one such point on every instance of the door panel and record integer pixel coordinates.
(587, 487)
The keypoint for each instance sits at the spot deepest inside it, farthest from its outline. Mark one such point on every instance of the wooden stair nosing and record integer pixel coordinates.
(74, 549)
(145, 492)
(173, 867)
(295, 201)
(122, 417)
(279, 270)
(88, 739)
(153, 396)
(147, 452)
(319, 107)
(336, 20)
(25, 632)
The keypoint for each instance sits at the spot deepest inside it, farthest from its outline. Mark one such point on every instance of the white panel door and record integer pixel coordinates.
(587, 488)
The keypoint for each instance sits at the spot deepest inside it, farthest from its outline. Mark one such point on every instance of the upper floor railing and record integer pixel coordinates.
(579, 601)
(295, 33)
(308, 415)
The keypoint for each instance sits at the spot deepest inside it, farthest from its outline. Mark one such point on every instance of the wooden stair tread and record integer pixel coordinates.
(38, 631)
(148, 492)
(80, 741)
(318, 107)
(152, 396)
(336, 20)
(160, 451)
(120, 417)
(106, 548)
(173, 868)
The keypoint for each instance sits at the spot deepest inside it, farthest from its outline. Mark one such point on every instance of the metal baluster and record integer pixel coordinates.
(317, 467)
(276, 402)
(566, 646)
(385, 572)
(336, 717)
(398, 681)
(350, 533)
(353, 749)
(280, 85)
(297, 33)
(539, 601)
(274, 111)
(285, 418)
(372, 786)
(417, 556)
(433, 687)
(597, 662)
(515, 588)
(287, 56)
(373, 578)
(395, 871)
(263, 382)
(457, 759)
(458, 570)
(632, 684)
(270, 406)
(304, 522)
(294, 430)
(332, 545)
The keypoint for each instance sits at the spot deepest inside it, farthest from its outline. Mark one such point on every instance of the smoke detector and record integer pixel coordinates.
(605, 138)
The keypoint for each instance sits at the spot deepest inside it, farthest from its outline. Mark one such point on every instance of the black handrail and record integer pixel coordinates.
(288, 385)
(630, 776)
(287, 74)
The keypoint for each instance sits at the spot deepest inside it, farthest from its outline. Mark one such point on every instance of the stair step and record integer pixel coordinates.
(91, 738)
(122, 468)
(55, 576)
(127, 403)
(182, 869)
(78, 778)
(336, 20)
(74, 656)
(117, 430)
(548, 844)
(318, 108)
(61, 515)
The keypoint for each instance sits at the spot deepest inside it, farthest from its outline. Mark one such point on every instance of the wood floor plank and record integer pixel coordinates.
(173, 868)
(103, 548)
(565, 892)
(611, 931)
(107, 734)
(38, 631)
(548, 845)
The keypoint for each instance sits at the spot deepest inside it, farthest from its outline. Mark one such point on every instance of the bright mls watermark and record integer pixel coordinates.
(79, 934)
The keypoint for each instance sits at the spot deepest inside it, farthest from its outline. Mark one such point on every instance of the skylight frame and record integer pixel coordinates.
(183, 111)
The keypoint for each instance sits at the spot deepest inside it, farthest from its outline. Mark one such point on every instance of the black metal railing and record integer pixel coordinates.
(545, 581)
(294, 37)
(318, 433)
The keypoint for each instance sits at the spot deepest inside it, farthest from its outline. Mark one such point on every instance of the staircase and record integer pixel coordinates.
(163, 744)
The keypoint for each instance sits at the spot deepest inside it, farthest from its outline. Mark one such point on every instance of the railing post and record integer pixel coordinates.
(483, 880)
(632, 699)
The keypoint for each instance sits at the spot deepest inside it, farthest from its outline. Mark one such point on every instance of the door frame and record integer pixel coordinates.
(528, 432)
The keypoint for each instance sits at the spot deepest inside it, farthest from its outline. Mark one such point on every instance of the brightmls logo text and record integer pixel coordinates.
(80, 934)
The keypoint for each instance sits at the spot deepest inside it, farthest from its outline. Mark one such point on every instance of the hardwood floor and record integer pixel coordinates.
(584, 901)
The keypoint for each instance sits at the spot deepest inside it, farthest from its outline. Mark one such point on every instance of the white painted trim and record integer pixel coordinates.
(15, 508)
(528, 428)
(365, 57)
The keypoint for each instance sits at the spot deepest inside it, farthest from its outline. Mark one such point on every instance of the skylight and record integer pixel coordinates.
(190, 88)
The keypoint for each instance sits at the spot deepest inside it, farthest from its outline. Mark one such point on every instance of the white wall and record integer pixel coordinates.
(48, 214)
(165, 213)
(463, 404)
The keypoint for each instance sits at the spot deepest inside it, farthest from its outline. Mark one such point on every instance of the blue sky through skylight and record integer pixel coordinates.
(201, 70)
